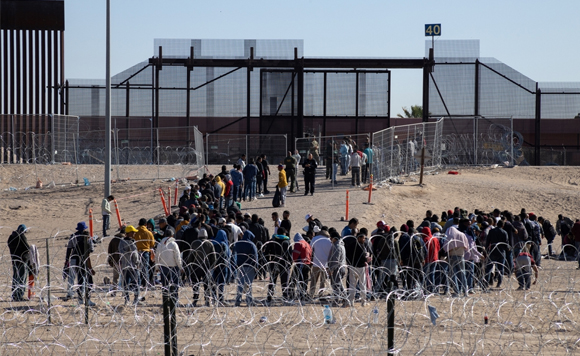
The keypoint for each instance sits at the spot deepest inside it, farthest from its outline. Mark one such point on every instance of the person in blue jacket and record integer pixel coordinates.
(222, 266)
(245, 258)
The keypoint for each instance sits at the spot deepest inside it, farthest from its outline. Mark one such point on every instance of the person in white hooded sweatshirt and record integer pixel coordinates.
(169, 262)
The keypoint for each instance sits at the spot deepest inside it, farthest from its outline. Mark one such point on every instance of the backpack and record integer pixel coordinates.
(277, 200)
(523, 263)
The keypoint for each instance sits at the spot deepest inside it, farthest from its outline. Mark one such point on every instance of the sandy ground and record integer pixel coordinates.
(544, 320)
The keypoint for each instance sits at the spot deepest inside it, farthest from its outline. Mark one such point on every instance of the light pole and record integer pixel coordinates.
(108, 106)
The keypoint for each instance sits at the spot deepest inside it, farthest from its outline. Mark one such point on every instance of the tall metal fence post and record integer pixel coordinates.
(48, 281)
(475, 122)
(158, 151)
(247, 156)
(390, 323)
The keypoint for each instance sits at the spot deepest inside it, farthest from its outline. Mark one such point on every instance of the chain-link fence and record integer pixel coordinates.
(481, 141)
(397, 150)
(228, 148)
(68, 157)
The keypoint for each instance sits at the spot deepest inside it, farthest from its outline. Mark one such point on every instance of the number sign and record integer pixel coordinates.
(433, 29)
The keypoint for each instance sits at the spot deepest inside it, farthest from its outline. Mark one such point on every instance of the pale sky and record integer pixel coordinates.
(537, 38)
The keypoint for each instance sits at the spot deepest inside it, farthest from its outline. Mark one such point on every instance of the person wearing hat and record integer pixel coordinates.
(164, 227)
(20, 254)
(78, 251)
(282, 184)
(309, 166)
(129, 262)
(145, 242)
(312, 221)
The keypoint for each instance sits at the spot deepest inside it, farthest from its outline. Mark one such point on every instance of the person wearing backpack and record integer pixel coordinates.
(563, 227)
(200, 262)
(549, 233)
(524, 265)
(497, 244)
(129, 263)
(388, 255)
(222, 266)
(412, 257)
(245, 260)
(78, 251)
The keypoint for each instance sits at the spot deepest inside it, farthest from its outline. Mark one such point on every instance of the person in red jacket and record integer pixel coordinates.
(302, 257)
(433, 247)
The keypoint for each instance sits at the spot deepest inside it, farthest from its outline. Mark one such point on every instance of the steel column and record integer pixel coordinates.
(537, 130)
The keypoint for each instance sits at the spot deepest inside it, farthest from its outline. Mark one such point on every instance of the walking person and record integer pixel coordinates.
(456, 246)
(266, 173)
(20, 254)
(282, 184)
(309, 174)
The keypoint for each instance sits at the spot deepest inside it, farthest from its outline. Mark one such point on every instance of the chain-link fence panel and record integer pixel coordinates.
(480, 141)
(398, 150)
(226, 149)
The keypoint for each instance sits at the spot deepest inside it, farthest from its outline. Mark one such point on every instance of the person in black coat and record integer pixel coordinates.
(497, 246)
(309, 174)
(20, 253)
(278, 255)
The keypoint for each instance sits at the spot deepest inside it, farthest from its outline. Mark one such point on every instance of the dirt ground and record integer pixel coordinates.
(544, 320)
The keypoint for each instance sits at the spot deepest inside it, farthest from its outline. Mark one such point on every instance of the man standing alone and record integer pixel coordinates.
(106, 211)
(309, 174)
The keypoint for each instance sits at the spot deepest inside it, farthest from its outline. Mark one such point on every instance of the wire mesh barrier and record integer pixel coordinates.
(228, 148)
(481, 141)
(429, 318)
(397, 150)
(136, 154)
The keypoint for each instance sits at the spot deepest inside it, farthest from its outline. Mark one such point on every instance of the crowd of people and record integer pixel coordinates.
(209, 243)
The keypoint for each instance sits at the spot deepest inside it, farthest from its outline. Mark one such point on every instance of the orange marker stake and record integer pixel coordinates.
(91, 222)
(163, 202)
(346, 216)
(175, 195)
(118, 214)
(370, 189)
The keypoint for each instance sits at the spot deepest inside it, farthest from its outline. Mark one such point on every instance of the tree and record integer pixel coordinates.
(416, 112)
